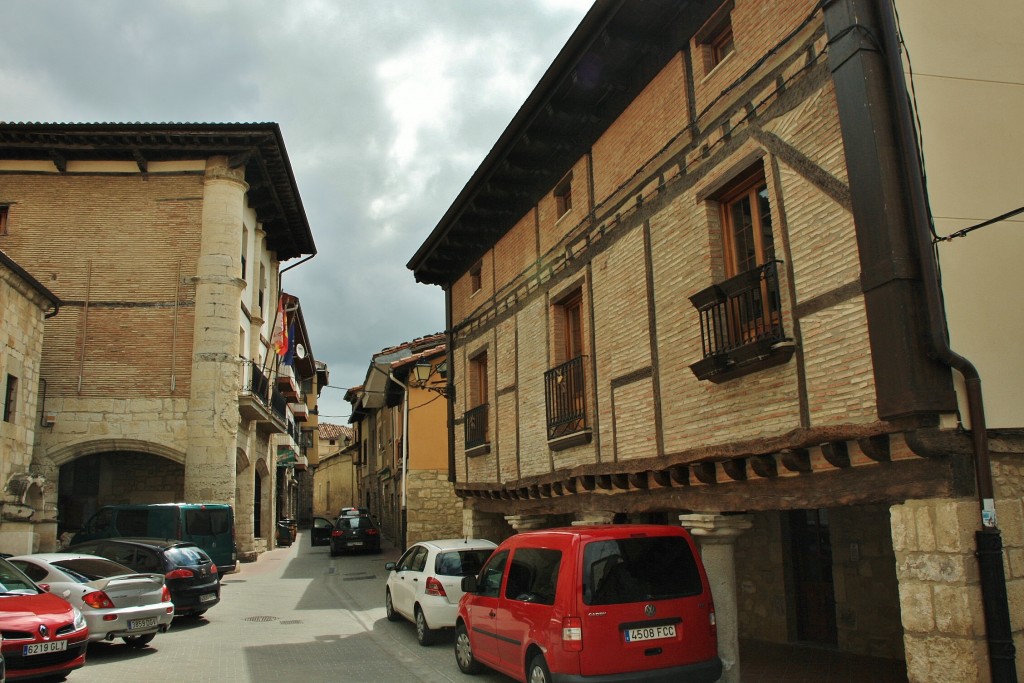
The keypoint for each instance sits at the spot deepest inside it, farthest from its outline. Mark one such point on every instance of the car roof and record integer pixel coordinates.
(460, 543)
(158, 543)
(58, 557)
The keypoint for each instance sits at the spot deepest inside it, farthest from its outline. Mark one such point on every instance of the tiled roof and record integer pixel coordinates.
(330, 431)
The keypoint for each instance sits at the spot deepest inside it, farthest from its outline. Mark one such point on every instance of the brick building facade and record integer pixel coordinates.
(688, 286)
(165, 241)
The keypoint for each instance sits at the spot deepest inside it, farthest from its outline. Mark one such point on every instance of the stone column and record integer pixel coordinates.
(526, 522)
(940, 593)
(213, 402)
(585, 518)
(716, 535)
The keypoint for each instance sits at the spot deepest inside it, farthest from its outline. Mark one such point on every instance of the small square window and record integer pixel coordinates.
(3, 218)
(722, 44)
(715, 39)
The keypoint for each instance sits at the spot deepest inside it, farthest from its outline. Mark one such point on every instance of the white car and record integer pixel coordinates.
(425, 585)
(117, 602)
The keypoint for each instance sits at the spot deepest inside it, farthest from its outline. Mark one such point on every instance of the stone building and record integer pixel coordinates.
(25, 304)
(165, 243)
(334, 478)
(404, 481)
(694, 283)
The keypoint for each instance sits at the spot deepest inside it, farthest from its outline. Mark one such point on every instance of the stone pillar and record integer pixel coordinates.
(526, 522)
(213, 403)
(716, 534)
(585, 518)
(940, 594)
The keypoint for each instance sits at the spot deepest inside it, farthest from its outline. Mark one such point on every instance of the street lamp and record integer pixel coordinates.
(421, 373)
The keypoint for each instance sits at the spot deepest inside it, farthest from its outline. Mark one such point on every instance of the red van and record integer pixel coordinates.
(616, 603)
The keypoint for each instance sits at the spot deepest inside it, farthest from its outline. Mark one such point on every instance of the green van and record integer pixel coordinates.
(209, 525)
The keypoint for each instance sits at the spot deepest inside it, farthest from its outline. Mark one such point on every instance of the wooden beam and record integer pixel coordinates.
(764, 466)
(876, 447)
(796, 460)
(680, 475)
(836, 453)
(705, 472)
(662, 477)
(638, 480)
(735, 468)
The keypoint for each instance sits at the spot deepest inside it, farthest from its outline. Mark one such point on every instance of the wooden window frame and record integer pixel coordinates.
(476, 281)
(716, 38)
(478, 378)
(4, 214)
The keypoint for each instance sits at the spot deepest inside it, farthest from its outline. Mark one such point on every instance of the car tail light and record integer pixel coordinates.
(97, 600)
(165, 595)
(434, 587)
(213, 568)
(572, 634)
(372, 532)
(712, 621)
(335, 533)
(180, 573)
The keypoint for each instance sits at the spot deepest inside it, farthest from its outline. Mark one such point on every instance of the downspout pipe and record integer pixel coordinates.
(449, 351)
(1002, 655)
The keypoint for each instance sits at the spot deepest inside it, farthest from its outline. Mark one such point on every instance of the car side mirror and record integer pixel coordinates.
(390, 566)
(44, 586)
(470, 584)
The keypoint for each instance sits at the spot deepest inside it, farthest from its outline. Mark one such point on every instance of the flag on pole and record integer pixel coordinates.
(289, 356)
(279, 338)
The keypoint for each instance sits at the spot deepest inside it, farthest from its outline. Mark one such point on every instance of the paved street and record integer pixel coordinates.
(297, 614)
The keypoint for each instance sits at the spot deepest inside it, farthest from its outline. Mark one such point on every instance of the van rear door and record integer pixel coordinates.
(646, 604)
(211, 527)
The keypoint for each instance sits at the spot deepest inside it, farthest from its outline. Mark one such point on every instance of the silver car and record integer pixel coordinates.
(425, 585)
(117, 602)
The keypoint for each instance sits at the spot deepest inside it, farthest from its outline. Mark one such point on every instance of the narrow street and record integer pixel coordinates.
(297, 614)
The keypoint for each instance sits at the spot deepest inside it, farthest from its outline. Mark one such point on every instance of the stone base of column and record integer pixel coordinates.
(526, 522)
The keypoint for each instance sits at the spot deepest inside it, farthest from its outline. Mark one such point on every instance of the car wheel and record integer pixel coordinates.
(464, 652)
(538, 671)
(424, 634)
(138, 641)
(389, 608)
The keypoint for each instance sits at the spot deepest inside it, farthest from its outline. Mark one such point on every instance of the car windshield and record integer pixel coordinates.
(355, 523)
(637, 569)
(461, 562)
(85, 569)
(14, 582)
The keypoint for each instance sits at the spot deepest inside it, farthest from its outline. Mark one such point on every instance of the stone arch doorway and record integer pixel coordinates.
(113, 477)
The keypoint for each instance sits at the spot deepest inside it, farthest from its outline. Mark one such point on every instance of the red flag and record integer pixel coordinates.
(279, 338)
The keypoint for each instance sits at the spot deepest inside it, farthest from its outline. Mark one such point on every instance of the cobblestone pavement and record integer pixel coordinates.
(296, 614)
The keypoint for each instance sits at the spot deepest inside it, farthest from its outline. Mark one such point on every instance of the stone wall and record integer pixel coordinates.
(761, 582)
(434, 511)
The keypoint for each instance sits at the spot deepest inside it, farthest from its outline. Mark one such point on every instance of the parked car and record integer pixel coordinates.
(616, 603)
(320, 532)
(117, 602)
(211, 526)
(355, 532)
(354, 512)
(189, 573)
(43, 635)
(425, 585)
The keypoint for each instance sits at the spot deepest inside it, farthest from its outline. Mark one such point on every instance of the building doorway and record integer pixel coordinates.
(811, 542)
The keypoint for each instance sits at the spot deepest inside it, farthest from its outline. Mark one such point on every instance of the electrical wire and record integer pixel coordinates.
(983, 224)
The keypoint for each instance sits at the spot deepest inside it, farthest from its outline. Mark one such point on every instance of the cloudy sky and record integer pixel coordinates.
(386, 107)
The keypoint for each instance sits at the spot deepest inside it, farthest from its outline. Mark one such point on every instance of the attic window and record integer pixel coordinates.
(563, 196)
(475, 277)
(715, 38)
(3, 219)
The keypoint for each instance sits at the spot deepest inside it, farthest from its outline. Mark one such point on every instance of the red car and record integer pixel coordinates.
(616, 604)
(43, 635)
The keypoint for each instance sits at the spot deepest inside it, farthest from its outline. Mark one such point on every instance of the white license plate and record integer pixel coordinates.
(355, 542)
(635, 635)
(207, 597)
(135, 624)
(43, 648)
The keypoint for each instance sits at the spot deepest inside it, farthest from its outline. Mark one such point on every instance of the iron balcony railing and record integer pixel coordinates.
(565, 395)
(258, 384)
(476, 426)
(743, 310)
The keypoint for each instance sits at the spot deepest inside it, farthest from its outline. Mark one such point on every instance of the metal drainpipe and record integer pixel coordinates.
(405, 455)
(999, 633)
(449, 348)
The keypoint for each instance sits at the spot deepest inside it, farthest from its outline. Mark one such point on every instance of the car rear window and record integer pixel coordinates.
(461, 562)
(637, 569)
(355, 523)
(187, 556)
(207, 522)
(89, 569)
